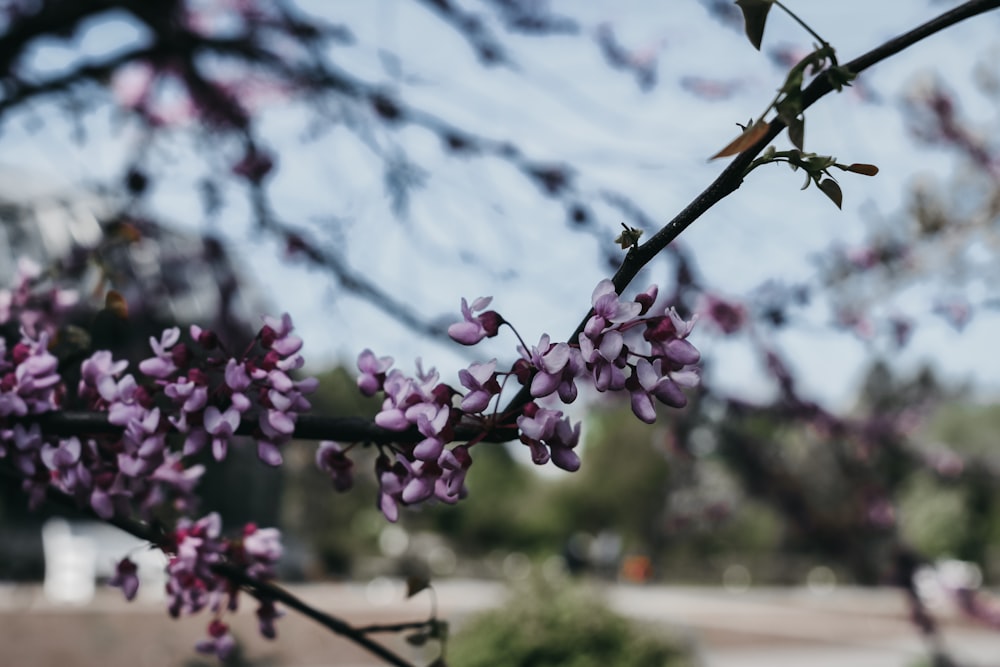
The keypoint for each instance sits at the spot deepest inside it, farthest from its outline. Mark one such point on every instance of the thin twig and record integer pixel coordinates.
(731, 177)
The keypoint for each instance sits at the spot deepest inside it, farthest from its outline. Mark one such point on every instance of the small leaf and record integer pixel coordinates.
(755, 16)
(796, 131)
(629, 237)
(840, 77)
(832, 190)
(415, 584)
(862, 168)
(749, 137)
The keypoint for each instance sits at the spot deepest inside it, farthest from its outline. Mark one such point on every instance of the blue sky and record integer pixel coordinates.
(476, 227)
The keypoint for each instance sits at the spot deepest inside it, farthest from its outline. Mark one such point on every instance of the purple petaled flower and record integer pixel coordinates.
(236, 375)
(332, 459)
(432, 420)
(173, 472)
(373, 370)
(390, 487)
(190, 395)
(191, 584)
(549, 435)
(609, 308)
(65, 455)
(219, 642)
(454, 464)
(267, 614)
(221, 426)
(557, 368)
(474, 328)
(647, 299)
(126, 578)
(97, 367)
(276, 336)
(605, 356)
(262, 547)
(161, 365)
(649, 381)
(727, 316)
(480, 380)
(563, 444)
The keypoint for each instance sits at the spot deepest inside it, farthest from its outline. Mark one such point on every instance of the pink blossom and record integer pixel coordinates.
(473, 328)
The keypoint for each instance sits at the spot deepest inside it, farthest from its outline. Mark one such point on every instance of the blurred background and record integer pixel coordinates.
(829, 493)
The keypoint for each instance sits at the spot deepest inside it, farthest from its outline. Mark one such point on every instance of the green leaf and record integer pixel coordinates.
(750, 136)
(755, 16)
(629, 237)
(839, 77)
(796, 131)
(832, 190)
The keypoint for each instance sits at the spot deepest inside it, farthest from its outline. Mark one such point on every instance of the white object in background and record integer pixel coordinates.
(70, 564)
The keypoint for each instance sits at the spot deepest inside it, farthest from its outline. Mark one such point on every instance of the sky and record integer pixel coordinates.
(476, 227)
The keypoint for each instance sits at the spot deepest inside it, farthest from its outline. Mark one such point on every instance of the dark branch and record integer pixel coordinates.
(731, 177)
(308, 427)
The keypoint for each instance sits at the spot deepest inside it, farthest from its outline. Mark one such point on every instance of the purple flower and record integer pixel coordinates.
(649, 381)
(161, 365)
(373, 370)
(605, 356)
(727, 316)
(173, 472)
(480, 380)
(219, 642)
(262, 544)
(267, 614)
(275, 336)
(549, 435)
(557, 367)
(221, 426)
(331, 458)
(474, 328)
(609, 308)
(390, 482)
(237, 377)
(126, 578)
(98, 366)
(454, 464)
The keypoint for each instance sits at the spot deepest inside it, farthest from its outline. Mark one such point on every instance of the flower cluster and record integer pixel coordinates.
(214, 395)
(191, 388)
(624, 346)
(421, 470)
(195, 547)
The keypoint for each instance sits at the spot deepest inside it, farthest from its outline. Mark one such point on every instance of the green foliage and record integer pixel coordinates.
(545, 626)
(624, 481)
(339, 526)
(933, 517)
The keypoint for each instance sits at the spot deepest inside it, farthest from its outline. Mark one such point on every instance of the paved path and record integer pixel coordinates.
(776, 628)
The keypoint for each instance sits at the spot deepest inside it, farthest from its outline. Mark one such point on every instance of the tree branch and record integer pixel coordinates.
(260, 590)
(66, 423)
(731, 177)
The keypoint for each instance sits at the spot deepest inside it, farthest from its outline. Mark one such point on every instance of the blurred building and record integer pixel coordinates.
(166, 275)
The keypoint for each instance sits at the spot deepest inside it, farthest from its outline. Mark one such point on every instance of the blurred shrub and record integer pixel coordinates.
(546, 626)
